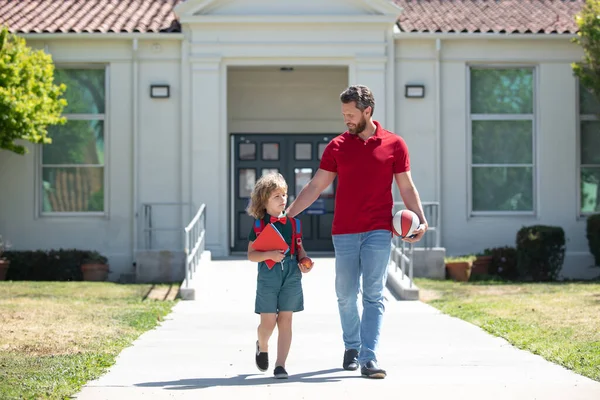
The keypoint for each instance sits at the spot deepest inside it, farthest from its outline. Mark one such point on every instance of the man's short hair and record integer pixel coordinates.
(360, 94)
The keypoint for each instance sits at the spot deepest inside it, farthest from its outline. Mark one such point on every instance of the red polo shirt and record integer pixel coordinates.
(365, 172)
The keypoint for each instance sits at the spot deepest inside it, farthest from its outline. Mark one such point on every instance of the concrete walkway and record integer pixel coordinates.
(205, 350)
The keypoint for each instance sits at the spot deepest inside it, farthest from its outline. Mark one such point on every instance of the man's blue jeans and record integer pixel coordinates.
(368, 254)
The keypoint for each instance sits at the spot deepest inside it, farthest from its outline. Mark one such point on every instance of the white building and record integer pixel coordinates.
(500, 138)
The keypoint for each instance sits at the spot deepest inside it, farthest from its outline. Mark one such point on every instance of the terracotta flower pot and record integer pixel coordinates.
(4, 264)
(94, 272)
(481, 265)
(459, 270)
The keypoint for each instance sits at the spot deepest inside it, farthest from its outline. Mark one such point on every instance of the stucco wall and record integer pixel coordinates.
(182, 137)
(415, 118)
(556, 140)
(268, 100)
(158, 121)
(160, 152)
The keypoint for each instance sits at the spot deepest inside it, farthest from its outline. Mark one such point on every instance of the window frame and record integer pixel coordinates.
(105, 117)
(503, 117)
(579, 143)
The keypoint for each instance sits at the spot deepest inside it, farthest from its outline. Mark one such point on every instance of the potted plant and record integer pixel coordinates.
(4, 262)
(459, 268)
(481, 264)
(95, 267)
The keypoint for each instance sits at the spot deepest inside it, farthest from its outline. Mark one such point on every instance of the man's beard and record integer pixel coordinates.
(359, 128)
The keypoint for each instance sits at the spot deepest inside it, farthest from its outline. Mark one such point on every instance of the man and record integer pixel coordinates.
(366, 159)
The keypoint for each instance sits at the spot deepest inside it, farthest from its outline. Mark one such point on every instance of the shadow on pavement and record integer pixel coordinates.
(241, 380)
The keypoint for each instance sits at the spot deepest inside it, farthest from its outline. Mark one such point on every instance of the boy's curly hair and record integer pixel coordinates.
(263, 189)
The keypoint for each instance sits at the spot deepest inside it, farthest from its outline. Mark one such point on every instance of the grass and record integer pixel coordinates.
(558, 321)
(56, 336)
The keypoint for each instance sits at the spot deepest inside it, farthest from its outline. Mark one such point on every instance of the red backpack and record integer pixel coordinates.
(259, 225)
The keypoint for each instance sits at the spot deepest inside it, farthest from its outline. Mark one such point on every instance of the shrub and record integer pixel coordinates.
(51, 265)
(593, 236)
(93, 257)
(540, 252)
(485, 253)
(468, 258)
(504, 262)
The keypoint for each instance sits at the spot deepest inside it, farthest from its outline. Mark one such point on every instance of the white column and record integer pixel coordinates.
(208, 155)
(371, 72)
(186, 138)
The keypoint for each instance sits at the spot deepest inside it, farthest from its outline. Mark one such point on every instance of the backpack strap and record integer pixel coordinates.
(296, 234)
(259, 225)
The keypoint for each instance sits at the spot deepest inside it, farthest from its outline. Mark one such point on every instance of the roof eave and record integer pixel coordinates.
(102, 35)
(482, 35)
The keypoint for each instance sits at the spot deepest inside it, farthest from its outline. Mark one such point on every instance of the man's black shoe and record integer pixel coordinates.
(350, 360)
(372, 370)
(262, 359)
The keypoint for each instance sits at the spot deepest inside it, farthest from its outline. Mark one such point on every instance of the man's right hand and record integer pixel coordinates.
(276, 255)
(417, 235)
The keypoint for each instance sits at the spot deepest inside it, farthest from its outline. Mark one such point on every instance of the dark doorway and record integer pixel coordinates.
(297, 158)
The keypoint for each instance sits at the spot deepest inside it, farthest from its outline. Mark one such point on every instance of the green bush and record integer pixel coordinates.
(504, 262)
(47, 265)
(593, 236)
(29, 99)
(540, 252)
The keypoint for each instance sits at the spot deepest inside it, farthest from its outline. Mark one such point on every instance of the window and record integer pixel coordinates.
(589, 156)
(73, 166)
(502, 140)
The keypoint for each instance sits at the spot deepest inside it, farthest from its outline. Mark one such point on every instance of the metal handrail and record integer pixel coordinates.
(148, 228)
(400, 256)
(195, 235)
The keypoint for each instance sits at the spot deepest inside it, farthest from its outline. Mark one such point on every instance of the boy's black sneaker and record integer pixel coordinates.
(280, 372)
(350, 360)
(262, 359)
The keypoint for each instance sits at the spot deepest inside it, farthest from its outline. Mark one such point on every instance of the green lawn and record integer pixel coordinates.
(558, 321)
(56, 336)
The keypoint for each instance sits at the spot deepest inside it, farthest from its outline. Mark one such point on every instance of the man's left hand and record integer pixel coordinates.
(417, 235)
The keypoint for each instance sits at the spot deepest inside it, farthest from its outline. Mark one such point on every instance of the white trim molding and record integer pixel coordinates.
(288, 19)
(192, 8)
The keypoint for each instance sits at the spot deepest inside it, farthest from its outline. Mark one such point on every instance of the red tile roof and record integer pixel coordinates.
(489, 16)
(475, 16)
(40, 16)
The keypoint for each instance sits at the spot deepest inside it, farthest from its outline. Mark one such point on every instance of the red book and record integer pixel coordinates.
(270, 239)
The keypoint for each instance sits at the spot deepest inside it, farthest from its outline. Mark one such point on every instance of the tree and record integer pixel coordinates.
(29, 98)
(588, 37)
